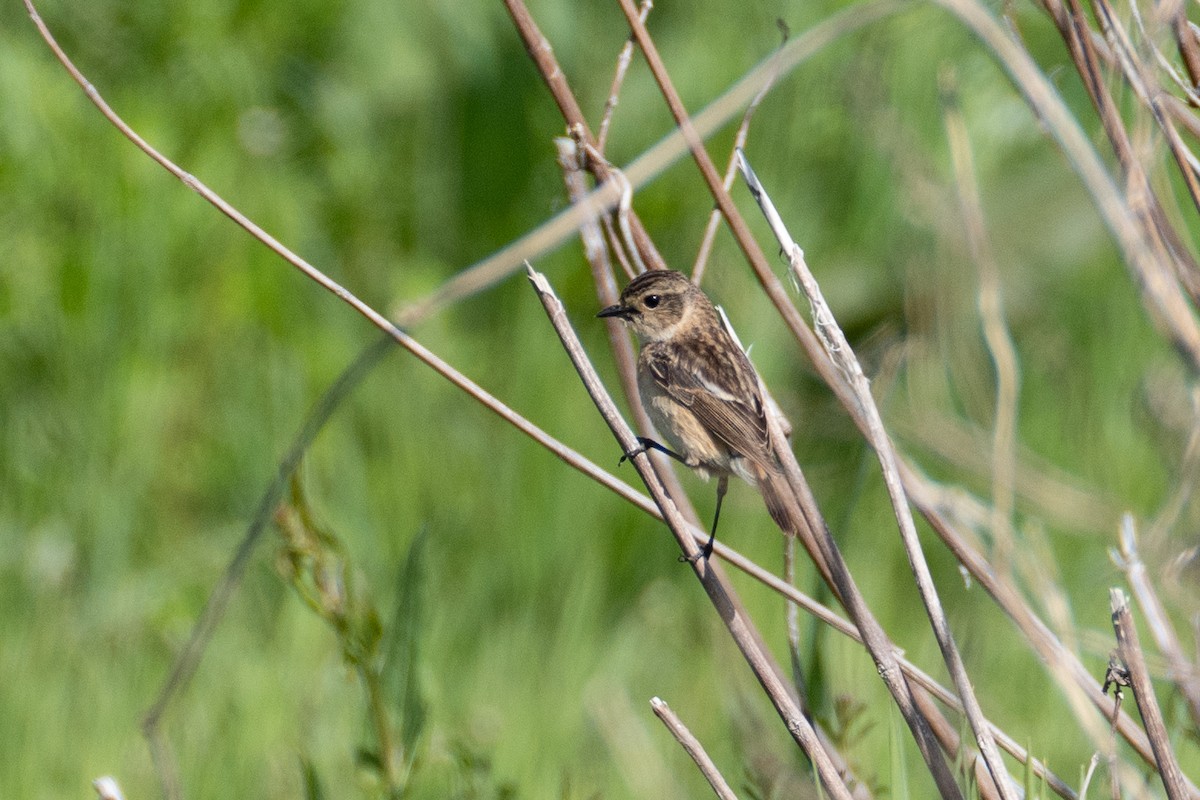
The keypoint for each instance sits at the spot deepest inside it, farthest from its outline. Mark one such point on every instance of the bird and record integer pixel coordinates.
(701, 392)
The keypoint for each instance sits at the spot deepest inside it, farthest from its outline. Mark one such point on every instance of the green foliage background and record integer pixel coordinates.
(155, 364)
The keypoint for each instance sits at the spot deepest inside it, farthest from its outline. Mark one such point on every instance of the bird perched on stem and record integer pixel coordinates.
(701, 391)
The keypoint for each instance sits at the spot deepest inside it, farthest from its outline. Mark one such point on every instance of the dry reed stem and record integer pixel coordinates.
(553, 232)
(651, 163)
(720, 593)
(1143, 692)
(542, 54)
(691, 745)
(1185, 38)
(952, 743)
(840, 352)
(1142, 80)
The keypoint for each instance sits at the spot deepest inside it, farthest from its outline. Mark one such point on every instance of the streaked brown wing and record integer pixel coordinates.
(721, 392)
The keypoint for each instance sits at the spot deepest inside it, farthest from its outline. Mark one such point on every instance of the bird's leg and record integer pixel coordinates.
(706, 551)
(645, 444)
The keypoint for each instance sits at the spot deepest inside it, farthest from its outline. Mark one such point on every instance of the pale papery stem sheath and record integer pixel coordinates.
(107, 788)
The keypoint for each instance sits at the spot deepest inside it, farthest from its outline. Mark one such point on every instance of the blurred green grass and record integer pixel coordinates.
(156, 363)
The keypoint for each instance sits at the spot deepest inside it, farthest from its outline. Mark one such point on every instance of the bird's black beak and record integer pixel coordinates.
(619, 311)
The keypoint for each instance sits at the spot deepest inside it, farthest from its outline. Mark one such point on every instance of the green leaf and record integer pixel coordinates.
(402, 657)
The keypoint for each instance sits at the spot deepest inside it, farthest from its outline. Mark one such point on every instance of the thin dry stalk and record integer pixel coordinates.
(614, 92)
(839, 351)
(995, 331)
(720, 593)
(1093, 762)
(739, 142)
(1145, 85)
(1143, 692)
(1182, 673)
(693, 748)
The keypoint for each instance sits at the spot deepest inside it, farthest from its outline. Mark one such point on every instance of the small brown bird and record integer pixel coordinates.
(701, 391)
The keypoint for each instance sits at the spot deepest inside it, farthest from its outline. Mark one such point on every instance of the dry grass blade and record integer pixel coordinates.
(714, 217)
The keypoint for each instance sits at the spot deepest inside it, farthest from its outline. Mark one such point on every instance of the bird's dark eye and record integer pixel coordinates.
(652, 301)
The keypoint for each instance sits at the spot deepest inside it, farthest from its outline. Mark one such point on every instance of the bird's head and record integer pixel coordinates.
(659, 304)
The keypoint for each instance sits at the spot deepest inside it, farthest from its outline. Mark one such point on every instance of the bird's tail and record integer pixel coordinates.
(781, 500)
